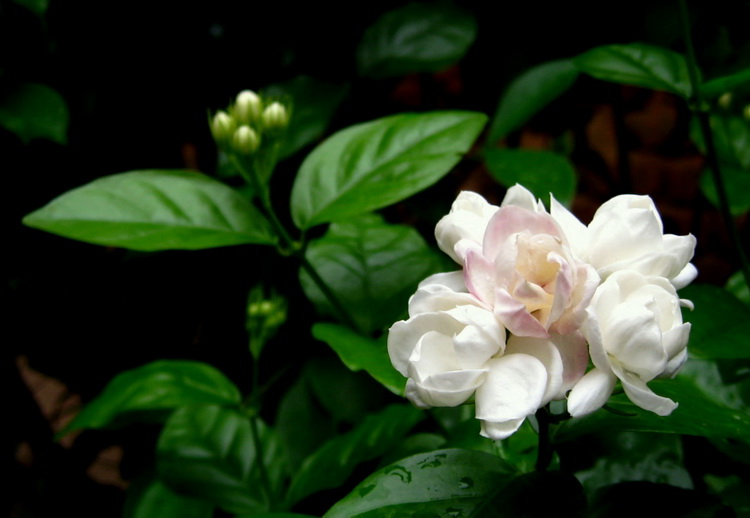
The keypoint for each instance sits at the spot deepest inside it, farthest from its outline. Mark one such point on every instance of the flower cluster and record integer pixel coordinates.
(538, 295)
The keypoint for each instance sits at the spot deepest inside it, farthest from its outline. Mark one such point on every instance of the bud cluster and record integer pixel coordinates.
(248, 123)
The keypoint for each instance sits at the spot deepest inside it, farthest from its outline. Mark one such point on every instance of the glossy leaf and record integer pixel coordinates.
(415, 38)
(161, 385)
(32, 110)
(371, 165)
(638, 65)
(208, 452)
(447, 482)
(720, 323)
(721, 85)
(371, 266)
(332, 463)
(148, 498)
(361, 353)
(541, 172)
(154, 210)
(314, 103)
(529, 93)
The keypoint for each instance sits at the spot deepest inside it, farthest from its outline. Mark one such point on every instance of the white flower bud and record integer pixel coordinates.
(247, 107)
(245, 140)
(222, 126)
(275, 116)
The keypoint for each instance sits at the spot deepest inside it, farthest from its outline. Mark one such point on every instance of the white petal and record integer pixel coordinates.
(513, 388)
(519, 196)
(685, 277)
(639, 393)
(546, 352)
(591, 392)
(575, 231)
(500, 430)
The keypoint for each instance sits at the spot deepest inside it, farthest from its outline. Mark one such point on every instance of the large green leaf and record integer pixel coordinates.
(361, 353)
(372, 267)
(541, 172)
(639, 65)
(149, 497)
(314, 103)
(721, 85)
(208, 452)
(161, 385)
(32, 110)
(720, 323)
(418, 37)
(154, 210)
(371, 165)
(333, 462)
(448, 482)
(529, 93)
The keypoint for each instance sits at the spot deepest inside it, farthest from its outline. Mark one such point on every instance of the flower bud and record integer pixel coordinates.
(725, 101)
(245, 140)
(275, 116)
(746, 112)
(247, 107)
(222, 126)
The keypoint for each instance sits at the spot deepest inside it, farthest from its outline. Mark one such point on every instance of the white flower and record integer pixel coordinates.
(635, 334)
(627, 234)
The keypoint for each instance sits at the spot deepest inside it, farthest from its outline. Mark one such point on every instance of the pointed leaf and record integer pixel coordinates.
(638, 65)
(150, 497)
(529, 93)
(371, 165)
(32, 110)
(447, 482)
(154, 210)
(333, 462)
(160, 385)
(721, 85)
(361, 353)
(415, 38)
(371, 266)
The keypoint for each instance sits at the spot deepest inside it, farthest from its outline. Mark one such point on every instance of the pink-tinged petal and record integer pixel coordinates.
(564, 286)
(591, 393)
(515, 317)
(500, 430)
(639, 393)
(575, 357)
(546, 352)
(513, 388)
(479, 276)
(510, 220)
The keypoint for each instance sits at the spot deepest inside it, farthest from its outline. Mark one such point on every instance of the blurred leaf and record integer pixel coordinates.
(154, 210)
(700, 412)
(638, 65)
(371, 165)
(733, 491)
(529, 93)
(149, 497)
(38, 7)
(275, 515)
(448, 482)
(160, 385)
(720, 85)
(314, 103)
(361, 353)
(520, 449)
(32, 110)
(208, 452)
(737, 286)
(720, 323)
(637, 456)
(332, 463)
(371, 266)
(629, 499)
(541, 172)
(418, 37)
(731, 136)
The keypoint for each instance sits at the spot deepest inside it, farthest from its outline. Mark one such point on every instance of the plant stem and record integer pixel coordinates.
(255, 432)
(544, 449)
(711, 156)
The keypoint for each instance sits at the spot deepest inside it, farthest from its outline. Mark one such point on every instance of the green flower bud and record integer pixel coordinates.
(246, 140)
(247, 107)
(222, 127)
(265, 314)
(746, 112)
(725, 101)
(275, 117)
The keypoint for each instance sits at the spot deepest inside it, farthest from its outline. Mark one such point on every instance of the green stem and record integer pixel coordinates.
(544, 451)
(711, 155)
(255, 404)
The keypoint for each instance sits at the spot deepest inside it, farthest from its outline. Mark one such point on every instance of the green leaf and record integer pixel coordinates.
(160, 385)
(415, 38)
(720, 85)
(154, 210)
(275, 515)
(371, 165)
(314, 103)
(361, 353)
(737, 286)
(372, 268)
(650, 499)
(147, 498)
(529, 93)
(638, 65)
(38, 7)
(332, 463)
(208, 452)
(32, 110)
(447, 482)
(720, 323)
(541, 172)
